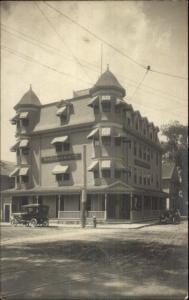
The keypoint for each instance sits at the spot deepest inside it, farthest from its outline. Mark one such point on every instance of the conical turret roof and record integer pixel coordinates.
(108, 80)
(28, 99)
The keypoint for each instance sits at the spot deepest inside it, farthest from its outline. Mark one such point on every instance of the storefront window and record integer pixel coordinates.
(154, 203)
(147, 202)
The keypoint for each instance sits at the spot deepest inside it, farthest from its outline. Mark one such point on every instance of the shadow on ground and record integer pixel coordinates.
(108, 269)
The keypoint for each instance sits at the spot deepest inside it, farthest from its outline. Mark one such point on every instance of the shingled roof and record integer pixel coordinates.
(108, 80)
(29, 98)
(168, 170)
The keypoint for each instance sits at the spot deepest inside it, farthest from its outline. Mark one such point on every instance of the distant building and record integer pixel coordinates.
(6, 182)
(171, 184)
(123, 156)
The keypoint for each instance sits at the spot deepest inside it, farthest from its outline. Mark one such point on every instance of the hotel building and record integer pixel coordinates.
(123, 156)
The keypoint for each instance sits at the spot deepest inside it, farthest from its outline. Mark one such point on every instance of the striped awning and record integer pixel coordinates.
(93, 133)
(23, 171)
(105, 164)
(58, 169)
(94, 165)
(23, 115)
(119, 133)
(120, 102)
(93, 101)
(106, 131)
(61, 111)
(24, 143)
(119, 165)
(14, 119)
(14, 173)
(14, 147)
(60, 139)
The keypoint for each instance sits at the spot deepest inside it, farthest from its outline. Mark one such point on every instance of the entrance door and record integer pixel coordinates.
(7, 212)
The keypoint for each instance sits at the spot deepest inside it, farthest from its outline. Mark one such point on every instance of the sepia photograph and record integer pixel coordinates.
(94, 150)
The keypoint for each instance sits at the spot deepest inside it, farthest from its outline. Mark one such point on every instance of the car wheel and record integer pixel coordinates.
(33, 223)
(46, 223)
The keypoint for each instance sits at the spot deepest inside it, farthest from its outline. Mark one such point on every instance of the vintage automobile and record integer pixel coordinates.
(31, 215)
(171, 216)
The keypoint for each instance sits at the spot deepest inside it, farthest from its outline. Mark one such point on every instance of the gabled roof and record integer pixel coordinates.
(6, 167)
(168, 170)
(108, 80)
(29, 98)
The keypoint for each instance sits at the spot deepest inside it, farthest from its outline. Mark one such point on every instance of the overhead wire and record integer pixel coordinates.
(61, 38)
(93, 67)
(140, 83)
(110, 45)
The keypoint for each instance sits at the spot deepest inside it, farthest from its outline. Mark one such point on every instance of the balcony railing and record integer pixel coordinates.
(76, 214)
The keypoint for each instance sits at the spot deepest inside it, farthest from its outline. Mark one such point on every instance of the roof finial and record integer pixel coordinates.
(30, 87)
(107, 67)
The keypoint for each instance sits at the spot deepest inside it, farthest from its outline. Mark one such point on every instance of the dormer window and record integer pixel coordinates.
(62, 113)
(23, 116)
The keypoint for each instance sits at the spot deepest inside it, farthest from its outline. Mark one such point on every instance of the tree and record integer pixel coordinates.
(175, 149)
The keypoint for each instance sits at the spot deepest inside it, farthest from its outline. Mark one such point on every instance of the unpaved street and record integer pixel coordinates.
(106, 263)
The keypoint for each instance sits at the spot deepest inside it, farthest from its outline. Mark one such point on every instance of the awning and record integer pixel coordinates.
(60, 139)
(61, 111)
(120, 102)
(14, 173)
(14, 147)
(23, 115)
(58, 169)
(93, 101)
(93, 166)
(105, 164)
(93, 133)
(119, 165)
(23, 171)
(106, 98)
(14, 119)
(24, 143)
(106, 131)
(119, 133)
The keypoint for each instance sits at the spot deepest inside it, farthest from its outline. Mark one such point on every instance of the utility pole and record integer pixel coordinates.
(84, 189)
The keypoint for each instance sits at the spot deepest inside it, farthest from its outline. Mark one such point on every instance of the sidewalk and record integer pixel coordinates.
(100, 226)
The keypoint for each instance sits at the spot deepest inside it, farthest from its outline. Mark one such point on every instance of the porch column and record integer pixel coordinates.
(58, 205)
(131, 206)
(105, 199)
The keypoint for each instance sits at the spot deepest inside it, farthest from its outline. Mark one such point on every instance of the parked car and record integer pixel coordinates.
(31, 215)
(171, 216)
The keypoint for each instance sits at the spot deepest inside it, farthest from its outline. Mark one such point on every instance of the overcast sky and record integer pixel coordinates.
(151, 32)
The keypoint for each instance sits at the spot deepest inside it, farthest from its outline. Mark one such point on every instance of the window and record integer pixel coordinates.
(157, 158)
(152, 178)
(152, 154)
(96, 109)
(147, 202)
(25, 122)
(130, 172)
(118, 174)
(128, 122)
(61, 203)
(148, 154)
(136, 125)
(88, 205)
(63, 118)
(63, 177)
(106, 140)
(144, 180)
(117, 109)
(17, 179)
(144, 154)
(148, 180)
(106, 106)
(58, 147)
(106, 173)
(96, 174)
(154, 203)
(66, 146)
(96, 143)
(140, 179)
(24, 179)
(117, 141)
(162, 203)
(25, 151)
(66, 176)
(150, 135)
(144, 131)
(135, 149)
(140, 151)
(135, 176)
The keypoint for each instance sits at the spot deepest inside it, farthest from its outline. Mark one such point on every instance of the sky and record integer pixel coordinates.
(152, 33)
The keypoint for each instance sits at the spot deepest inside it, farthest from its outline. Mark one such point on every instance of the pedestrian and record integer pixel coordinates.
(94, 222)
